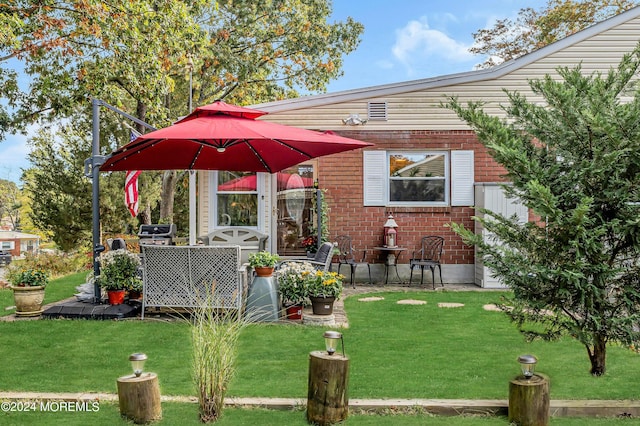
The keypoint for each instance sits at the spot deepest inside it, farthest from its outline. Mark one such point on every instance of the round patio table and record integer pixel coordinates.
(393, 254)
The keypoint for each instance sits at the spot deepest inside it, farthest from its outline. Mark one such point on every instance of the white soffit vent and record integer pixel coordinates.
(377, 111)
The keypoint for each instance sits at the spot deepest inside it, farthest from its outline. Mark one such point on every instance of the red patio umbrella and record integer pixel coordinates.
(221, 136)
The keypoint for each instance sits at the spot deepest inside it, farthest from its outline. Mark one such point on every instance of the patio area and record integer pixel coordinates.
(73, 309)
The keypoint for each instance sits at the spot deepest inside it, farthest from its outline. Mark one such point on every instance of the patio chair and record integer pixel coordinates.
(321, 261)
(428, 255)
(347, 256)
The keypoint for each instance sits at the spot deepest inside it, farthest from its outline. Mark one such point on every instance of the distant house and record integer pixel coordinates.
(18, 243)
(427, 167)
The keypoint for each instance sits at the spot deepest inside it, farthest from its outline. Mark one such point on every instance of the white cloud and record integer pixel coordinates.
(384, 64)
(417, 43)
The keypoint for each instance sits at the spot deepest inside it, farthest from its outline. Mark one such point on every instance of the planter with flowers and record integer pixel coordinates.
(323, 289)
(292, 288)
(263, 262)
(135, 290)
(28, 290)
(310, 244)
(118, 273)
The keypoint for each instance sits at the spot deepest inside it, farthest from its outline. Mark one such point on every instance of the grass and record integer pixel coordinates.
(396, 351)
(439, 353)
(58, 289)
(184, 414)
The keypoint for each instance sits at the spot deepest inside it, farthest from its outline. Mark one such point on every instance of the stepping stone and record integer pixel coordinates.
(370, 299)
(411, 302)
(450, 305)
(495, 308)
(491, 307)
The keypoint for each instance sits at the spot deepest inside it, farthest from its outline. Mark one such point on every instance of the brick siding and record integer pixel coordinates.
(341, 176)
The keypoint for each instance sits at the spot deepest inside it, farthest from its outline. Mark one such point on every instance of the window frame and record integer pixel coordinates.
(426, 153)
(259, 193)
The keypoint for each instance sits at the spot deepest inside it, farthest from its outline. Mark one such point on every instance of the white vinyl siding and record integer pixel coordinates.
(415, 105)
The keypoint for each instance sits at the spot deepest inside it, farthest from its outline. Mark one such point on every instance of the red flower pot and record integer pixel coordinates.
(116, 297)
(263, 271)
(294, 312)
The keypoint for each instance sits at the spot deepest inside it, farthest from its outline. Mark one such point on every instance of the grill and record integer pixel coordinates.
(157, 234)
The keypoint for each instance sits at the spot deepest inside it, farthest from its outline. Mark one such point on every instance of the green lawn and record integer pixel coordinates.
(396, 351)
(187, 414)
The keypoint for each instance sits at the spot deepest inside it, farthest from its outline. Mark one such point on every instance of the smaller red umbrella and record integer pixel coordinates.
(220, 136)
(249, 183)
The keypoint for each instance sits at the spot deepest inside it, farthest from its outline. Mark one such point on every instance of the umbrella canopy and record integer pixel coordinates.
(220, 136)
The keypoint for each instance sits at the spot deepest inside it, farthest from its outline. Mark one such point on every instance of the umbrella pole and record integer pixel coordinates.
(96, 161)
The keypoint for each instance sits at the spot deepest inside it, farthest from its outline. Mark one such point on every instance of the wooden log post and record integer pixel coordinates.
(529, 401)
(327, 400)
(139, 398)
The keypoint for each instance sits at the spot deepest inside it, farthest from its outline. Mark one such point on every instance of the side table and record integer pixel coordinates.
(393, 253)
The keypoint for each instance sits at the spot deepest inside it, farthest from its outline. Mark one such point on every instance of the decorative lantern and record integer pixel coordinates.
(137, 362)
(527, 365)
(390, 233)
(331, 339)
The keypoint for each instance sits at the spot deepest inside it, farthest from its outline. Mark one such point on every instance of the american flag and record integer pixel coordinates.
(131, 185)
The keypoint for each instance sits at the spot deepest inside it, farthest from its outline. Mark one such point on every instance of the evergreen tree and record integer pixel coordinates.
(574, 160)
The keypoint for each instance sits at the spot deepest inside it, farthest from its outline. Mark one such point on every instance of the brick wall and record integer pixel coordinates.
(341, 176)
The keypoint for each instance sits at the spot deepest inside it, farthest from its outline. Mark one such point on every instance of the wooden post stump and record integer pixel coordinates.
(139, 397)
(327, 400)
(529, 401)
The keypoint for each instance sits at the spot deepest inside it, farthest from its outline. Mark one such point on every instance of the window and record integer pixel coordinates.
(418, 178)
(236, 199)
(7, 245)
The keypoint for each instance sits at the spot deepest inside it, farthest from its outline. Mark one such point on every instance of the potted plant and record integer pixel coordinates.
(135, 289)
(323, 288)
(118, 272)
(291, 286)
(310, 244)
(263, 262)
(28, 286)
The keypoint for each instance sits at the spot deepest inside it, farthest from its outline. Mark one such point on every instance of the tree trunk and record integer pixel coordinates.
(598, 356)
(529, 401)
(327, 399)
(167, 196)
(139, 398)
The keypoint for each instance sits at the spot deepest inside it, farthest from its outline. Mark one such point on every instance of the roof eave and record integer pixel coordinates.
(446, 80)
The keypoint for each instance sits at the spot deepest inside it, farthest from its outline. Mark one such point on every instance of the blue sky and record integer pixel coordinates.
(403, 40)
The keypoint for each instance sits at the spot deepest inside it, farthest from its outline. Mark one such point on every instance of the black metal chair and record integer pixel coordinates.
(428, 255)
(346, 256)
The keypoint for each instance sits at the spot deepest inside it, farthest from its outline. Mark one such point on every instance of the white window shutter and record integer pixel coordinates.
(462, 178)
(375, 178)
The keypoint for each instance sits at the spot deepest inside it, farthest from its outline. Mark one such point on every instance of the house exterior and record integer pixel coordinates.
(18, 243)
(426, 164)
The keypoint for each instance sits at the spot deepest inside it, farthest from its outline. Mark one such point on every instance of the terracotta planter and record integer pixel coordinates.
(116, 297)
(322, 305)
(28, 300)
(263, 271)
(135, 295)
(294, 312)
